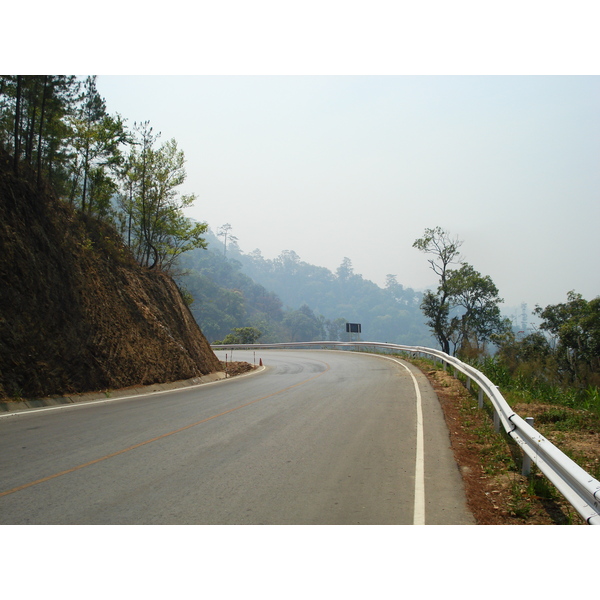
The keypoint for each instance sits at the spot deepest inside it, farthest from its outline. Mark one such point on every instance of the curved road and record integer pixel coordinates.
(318, 437)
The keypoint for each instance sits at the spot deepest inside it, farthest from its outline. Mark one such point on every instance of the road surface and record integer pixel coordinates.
(317, 437)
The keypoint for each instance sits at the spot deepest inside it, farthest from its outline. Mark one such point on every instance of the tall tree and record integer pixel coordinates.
(97, 140)
(464, 310)
(34, 110)
(576, 326)
(435, 306)
(17, 145)
(335, 328)
(303, 325)
(475, 301)
(345, 271)
(45, 93)
(160, 232)
(225, 232)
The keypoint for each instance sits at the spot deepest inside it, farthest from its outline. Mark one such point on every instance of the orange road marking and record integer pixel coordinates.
(160, 437)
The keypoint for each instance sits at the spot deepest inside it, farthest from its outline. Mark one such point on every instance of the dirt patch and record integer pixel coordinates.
(575, 432)
(236, 368)
(490, 464)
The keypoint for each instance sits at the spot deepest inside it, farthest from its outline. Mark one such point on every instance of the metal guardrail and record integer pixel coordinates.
(580, 489)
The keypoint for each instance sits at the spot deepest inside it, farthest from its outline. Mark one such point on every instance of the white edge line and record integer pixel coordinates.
(419, 500)
(29, 411)
(419, 505)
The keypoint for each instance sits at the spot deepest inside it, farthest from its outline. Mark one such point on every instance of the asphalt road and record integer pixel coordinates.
(318, 437)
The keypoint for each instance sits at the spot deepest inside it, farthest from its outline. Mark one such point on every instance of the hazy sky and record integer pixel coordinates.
(359, 166)
(344, 129)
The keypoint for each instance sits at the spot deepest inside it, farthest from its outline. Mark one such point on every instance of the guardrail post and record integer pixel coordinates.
(468, 383)
(480, 398)
(526, 469)
(496, 421)
(496, 416)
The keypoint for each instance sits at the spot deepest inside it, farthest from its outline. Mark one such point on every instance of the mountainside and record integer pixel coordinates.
(76, 312)
(316, 302)
(225, 298)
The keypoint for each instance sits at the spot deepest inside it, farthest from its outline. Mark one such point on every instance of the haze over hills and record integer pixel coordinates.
(288, 299)
(291, 300)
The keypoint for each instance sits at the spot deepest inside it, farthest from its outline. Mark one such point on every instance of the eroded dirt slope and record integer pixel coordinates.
(76, 312)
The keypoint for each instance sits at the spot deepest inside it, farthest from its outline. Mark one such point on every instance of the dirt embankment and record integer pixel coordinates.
(77, 313)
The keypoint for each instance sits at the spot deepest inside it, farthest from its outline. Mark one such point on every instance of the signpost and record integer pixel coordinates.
(353, 328)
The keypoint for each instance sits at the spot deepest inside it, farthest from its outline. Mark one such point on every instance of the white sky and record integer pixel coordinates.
(337, 130)
(335, 166)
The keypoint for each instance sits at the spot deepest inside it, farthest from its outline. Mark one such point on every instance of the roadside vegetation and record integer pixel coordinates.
(490, 462)
(498, 492)
(463, 314)
(551, 374)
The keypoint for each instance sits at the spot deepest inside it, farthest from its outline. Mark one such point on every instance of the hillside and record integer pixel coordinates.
(290, 300)
(76, 312)
(225, 298)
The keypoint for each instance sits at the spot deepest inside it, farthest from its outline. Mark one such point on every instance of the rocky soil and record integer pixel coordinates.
(77, 313)
(236, 368)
